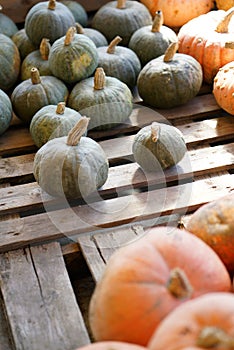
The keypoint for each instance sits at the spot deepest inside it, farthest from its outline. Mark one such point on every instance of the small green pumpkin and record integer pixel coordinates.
(97, 37)
(105, 100)
(170, 80)
(37, 58)
(73, 57)
(71, 166)
(32, 94)
(119, 62)
(22, 41)
(6, 112)
(48, 19)
(78, 11)
(7, 25)
(122, 17)
(52, 121)
(152, 41)
(158, 146)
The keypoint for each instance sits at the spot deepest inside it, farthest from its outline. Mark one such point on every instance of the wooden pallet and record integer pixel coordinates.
(52, 253)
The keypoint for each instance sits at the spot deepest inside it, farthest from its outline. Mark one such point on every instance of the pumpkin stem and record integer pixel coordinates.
(179, 285)
(155, 129)
(157, 22)
(60, 108)
(35, 76)
(79, 28)
(222, 26)
(229, 45)
(77, 131)
(212, 337)
(69, 36)
(52, 5)
(121, 4)
(113, 44)
(170, 51)
(99, 79)
(45, 49)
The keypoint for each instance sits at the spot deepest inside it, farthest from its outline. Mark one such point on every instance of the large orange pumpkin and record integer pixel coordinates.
(205, 38)
(224, 4)
(214, 224)
(111, 345)
(178, 12)
(147, 279)
(206, 322)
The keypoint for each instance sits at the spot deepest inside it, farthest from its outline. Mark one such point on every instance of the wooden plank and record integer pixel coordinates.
(113, 212)
(125, 178)
(39, 300)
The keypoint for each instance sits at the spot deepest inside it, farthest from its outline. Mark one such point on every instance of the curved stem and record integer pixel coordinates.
(158, 22)
(170, 52)
(79, 28)
(222, 27)
(99, 79)
(113, 44)
(178, 284)
(77, 131)
(214, 337)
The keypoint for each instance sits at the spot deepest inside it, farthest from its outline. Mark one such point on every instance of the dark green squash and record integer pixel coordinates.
(71, 166)
(48, 19)
(105, 100)
(78, 11)
(122, 17)
(32, 94)
(6, 112)
(170, 80)
(158, 146)
(22, 41)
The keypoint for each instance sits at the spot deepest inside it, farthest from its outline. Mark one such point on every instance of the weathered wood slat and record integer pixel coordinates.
(57, 224)
(39, 300)
(126, 177)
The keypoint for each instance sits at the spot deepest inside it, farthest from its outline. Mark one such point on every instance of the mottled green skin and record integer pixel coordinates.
(9, 63)
(41, 22)
(46, 124)
(74, 62)
(5, 112)
(123, 64)
(70, 171)
(149, 45)
(78, 11)
(169, 149)
(34, 59)
(111, 21)
(22, 41)
(169, 84)
(106, 108)
(28, 98)
(7, 26)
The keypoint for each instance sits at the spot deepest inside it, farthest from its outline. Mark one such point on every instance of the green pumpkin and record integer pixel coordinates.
(22, 41)
(71, 166)
(78, 11)
(97, 37)
(32, 94)
(9, 63)
(37, 58)
(105, 100)
(122, 17)
(73, 57)
(5, 112)
(158, 146)
(170, 80)
(152, 41)
(7, 25)
(47, 19)
(119, 62)
(52, 121)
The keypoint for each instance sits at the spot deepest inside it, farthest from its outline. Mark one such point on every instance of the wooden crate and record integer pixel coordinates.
(52, 254)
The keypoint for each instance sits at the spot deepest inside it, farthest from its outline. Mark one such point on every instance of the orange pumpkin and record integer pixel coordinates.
(206, 322)
(224, 4)
(178, 12)
(205, 38)
(148, 278)
(214, 224)
(111, 345)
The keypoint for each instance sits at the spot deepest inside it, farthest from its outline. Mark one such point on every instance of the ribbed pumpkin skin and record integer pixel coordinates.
(5, 112)
(22, 41)
(40, 22)
(223, 87)
(9, 63)
(106, 108)
(7, 26)
(28, 98)
(34, 59)
(72, 171)
(78, 11)
(47, 124)
(169, 149)
(170, 84)
(123, 64)
(111, 21)
(74, 62)
(148, 45)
